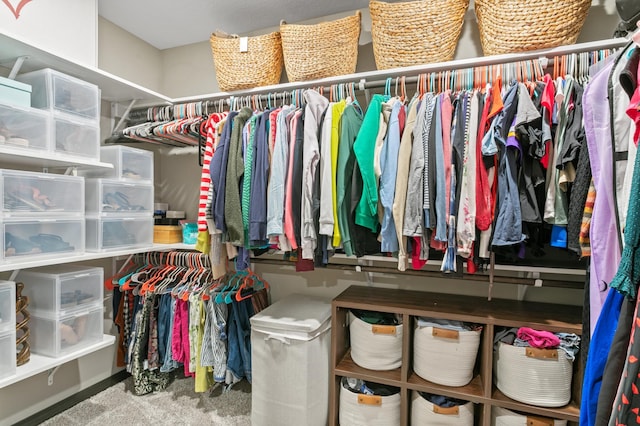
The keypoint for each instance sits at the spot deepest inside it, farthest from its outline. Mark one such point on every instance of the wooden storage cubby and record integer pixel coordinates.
(490, 314)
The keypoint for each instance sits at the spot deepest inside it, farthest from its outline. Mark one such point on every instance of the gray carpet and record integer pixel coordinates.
(178, 404)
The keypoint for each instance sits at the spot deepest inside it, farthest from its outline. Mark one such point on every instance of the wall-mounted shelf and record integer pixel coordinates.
(39, 364)
(36, 263)
(25, 157)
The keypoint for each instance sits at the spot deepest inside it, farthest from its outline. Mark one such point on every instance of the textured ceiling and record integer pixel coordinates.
(166, 23)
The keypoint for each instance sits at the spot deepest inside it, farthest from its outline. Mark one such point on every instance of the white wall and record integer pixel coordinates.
(67, 28)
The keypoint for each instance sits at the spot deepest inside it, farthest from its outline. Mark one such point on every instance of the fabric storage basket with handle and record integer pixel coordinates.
(503, 417)
(290, 356)
(444, 352)
(368, 404)
(426, 413)
(533, 376)
(246, 62)
(321, 50)
(376, 340)
(511, 26)
(415, 32)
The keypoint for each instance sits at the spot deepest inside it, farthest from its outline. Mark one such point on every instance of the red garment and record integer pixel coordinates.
(289, 230)
(548, 102)
(402, 118)
(205, 179)
(483, 190)
(416, 262)
(180, 351)
(634, 111)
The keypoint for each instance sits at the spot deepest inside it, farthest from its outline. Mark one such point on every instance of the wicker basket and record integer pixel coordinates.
(511, 26)
(260, 65)
(321, 50)
(415, 32)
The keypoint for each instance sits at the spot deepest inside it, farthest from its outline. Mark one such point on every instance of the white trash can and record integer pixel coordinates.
(291, 358)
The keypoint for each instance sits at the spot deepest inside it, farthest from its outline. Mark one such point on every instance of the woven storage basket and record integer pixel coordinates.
(415, 32)
(503, 417)
(375, 347)
(445, 357)
(322, 50)
(545, 382)
(353, 412)
(260, 65)
(510, 26)
(424, 413)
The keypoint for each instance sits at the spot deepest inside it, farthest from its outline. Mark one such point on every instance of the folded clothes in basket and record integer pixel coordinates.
(447, 324)
(442, 401)
(567, 342)
(368, 388)
(379, 318)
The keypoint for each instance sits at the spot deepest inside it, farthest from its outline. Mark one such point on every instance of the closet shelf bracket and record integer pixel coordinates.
(14, 274)
(50, 373)
(15, 70)
(71, 171)
(123, 117)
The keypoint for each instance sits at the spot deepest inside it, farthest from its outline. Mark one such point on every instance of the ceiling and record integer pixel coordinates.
(171, 23)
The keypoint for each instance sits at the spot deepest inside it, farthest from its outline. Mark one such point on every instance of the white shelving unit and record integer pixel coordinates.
(25, 157)
(39, 364)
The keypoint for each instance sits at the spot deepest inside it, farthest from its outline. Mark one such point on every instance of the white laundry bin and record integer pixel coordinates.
(290, 356)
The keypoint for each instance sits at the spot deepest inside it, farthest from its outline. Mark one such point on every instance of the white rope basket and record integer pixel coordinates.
(375, 347)
(503, 417)
(445, 357)
(424, 413)
(543, 378)
(365, 410)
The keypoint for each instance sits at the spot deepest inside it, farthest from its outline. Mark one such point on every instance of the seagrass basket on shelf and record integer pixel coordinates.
(415, 32)
(321, 50)
(243, 64)
(511, 26)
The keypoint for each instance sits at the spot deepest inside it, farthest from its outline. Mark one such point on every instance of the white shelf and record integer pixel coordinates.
(114, 88)
(36, 263)
(38, 364)
(25, 157)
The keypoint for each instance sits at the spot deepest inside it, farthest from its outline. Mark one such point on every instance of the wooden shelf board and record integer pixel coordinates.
(570, 412)
(471, 392)
(348, 368)
(503, 312)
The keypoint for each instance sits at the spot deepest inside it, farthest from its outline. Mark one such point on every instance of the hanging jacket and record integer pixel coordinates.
(336, 115)
(413, 213)
(389, 171)
(219, 173)
(508, 224)
(326, 175)
(364, 148)
(259, 195)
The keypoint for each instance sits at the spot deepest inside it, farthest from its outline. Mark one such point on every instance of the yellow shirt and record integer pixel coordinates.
(336, 114)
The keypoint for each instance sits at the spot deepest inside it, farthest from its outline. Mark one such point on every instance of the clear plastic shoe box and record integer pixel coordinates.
(55, 91)
(40, 194)
(59, 290)
(7, 354)
(129, 164)
(110, 197)
(25, 128)
(26, 239)
(55, 336)
(73, 136)
(7, 306)
(107, 233)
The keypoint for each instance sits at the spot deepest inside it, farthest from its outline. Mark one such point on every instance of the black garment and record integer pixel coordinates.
(612, 374)
(374, 388)
(579, 192)
(457, 155)
(296, 192)
(362, 239)
(585, 337)
(432, 169)
(319, 255)
(574, 135)
(628, 76)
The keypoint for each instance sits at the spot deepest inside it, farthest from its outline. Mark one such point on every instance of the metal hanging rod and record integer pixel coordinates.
(371, 79)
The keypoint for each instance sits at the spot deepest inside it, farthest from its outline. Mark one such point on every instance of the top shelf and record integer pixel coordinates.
(114, 88)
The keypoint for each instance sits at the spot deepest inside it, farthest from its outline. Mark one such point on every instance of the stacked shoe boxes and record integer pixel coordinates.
(119, 201)
(7, 329)
(66, 308)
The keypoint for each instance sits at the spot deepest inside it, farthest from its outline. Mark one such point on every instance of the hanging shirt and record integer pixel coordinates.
(235, 170)
(259, 176)
(466, 221)
(350, 124)
(336, 115)
(326, 175)
(316, 105)
(251, 128)
(402, 181)
(296, 190)
(389, 170)
(289, 229)
(219, 173)
(364, 147)
(279, 168)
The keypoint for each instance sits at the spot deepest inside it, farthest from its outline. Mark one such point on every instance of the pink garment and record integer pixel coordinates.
(446, 114)
(289, 230)
(180, 338)
(538, 339)
(416, 262)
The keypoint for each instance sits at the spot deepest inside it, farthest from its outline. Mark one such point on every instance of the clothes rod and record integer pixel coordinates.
(365, 77)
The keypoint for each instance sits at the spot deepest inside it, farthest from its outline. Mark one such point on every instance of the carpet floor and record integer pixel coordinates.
(178, 404)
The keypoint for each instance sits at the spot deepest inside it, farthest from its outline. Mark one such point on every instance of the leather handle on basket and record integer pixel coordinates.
(542, 353)
(370, 400)
(539, 421)
(445, 333)
(383, 329)
(448, 411)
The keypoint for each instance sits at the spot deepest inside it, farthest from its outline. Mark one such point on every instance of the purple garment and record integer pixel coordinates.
(605, 246)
